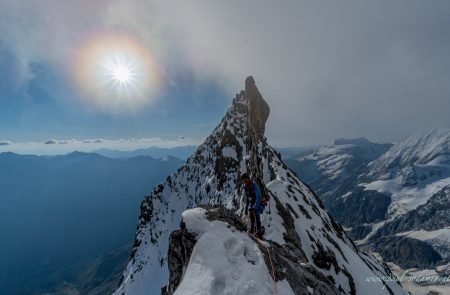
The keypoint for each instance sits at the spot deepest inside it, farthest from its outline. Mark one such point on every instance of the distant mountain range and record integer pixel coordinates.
(58, 214)
(295, 152)
(181, 152)
(392, 198)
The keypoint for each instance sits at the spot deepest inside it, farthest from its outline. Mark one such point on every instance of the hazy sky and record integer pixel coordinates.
(328, 69)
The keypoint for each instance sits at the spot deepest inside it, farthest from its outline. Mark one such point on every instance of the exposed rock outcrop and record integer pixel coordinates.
(181, 245)
(258, 109)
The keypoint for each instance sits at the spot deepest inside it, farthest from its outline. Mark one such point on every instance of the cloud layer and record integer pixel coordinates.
(63, 146)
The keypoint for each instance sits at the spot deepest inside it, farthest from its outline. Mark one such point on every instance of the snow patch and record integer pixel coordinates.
(229, 152)
(423, 235)
(224, 261)
(405, 198)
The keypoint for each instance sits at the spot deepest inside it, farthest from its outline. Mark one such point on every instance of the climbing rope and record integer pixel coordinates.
(271, 265)
(253, 234)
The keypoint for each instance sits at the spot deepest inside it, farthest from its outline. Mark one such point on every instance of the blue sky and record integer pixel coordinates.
(48, 107)
(378, 69)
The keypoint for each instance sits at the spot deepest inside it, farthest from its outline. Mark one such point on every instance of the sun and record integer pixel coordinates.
(116, 72)
(121, 70)
(121, 73)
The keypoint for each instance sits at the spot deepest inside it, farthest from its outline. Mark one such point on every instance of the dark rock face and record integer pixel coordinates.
(221, 213)
(359, 232)
(257, 107)
(361, 207)
(406, 252)
(181, 245)
(286, 266)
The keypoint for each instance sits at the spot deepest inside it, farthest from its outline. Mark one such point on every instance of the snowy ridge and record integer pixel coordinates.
(340, 162)
(421, 148)
(210, 176)
(331, 160)
(412, 171)
(406, 198)
(424, 235)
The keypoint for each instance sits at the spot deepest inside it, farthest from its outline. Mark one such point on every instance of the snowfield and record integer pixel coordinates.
(406, 198)
(224, 261)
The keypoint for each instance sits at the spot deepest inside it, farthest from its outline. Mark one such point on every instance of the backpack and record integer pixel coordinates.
(265, 197)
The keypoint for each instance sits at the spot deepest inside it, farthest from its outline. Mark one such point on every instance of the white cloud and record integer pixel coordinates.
(63, 146)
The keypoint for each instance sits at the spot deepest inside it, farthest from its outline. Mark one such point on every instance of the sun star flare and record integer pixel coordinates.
(121, 73)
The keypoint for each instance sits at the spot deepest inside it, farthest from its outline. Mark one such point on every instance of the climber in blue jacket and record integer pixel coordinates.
(253, 200)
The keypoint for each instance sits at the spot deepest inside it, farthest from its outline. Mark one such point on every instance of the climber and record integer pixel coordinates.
(253, 200)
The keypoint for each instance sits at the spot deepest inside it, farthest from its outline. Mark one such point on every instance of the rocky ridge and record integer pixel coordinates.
(299, 230)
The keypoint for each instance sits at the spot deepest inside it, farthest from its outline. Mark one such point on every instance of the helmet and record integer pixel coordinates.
(244, 176)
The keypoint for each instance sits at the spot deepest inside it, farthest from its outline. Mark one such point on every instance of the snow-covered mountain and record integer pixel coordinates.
(412, 171)
(333, 171)
(330, 167)
(415, 174)
(398, 201)
(316, 254)
(426, 148)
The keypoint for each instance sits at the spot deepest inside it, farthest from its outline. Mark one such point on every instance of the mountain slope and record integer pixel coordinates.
(331, 170)
(429, 223)
(402, 192)
(426, 147)
(412, 171)
(58, 213)
(211, 176)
